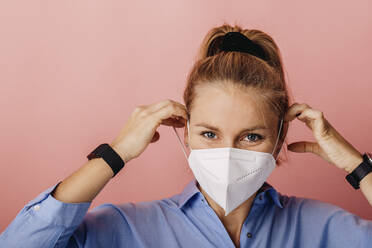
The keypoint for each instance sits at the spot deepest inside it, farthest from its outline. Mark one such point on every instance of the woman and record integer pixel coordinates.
(237, 113)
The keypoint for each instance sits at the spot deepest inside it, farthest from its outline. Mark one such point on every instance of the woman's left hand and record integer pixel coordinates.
(330, 145)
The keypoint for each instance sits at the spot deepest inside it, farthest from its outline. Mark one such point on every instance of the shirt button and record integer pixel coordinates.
(36, 207)
(260, 197)
(249, 235)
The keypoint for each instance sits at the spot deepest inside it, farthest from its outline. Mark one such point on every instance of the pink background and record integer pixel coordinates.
(71, 72)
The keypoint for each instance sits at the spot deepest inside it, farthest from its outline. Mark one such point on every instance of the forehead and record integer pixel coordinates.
(221, 102)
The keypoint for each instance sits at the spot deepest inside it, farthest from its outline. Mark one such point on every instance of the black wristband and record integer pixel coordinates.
(364, 168)
(108, 154)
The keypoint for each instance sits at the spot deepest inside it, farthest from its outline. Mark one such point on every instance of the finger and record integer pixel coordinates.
(158, 105)
(165, 103)
(310, 114)
(171, 111)
(174, 121)
(156, 137)
(151, 107)
(315, 120)
(295, 110)
(183, 108)
(304, 146)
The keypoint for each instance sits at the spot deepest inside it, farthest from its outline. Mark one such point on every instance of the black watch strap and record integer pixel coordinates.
(108, 154)
(361, 171)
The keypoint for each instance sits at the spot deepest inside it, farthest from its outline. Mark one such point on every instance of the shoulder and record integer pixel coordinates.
(126, 218)
(136, 211)
(314, 208)
(308, 205)
(324, 214)
(328, 223)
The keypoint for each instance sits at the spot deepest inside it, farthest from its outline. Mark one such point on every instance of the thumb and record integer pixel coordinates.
(304, 146)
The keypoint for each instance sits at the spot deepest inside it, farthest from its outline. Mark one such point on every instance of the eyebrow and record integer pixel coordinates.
(256, 127)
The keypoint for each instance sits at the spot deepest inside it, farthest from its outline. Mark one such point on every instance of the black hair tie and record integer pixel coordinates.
(236, 41)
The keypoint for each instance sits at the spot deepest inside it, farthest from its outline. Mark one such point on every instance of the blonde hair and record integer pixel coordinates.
(265, 77)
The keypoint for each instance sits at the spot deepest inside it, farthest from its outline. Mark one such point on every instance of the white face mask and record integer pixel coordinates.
(230, 175)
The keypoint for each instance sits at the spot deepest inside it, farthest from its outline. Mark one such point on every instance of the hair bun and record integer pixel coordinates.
(236, 41)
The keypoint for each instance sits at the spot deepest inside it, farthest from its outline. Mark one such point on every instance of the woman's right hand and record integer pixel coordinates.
(140, 129)
(84, 184)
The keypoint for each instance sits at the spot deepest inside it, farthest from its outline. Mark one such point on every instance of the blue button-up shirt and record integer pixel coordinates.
(185, 220)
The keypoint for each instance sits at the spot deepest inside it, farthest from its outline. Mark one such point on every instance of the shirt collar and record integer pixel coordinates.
(191, 190)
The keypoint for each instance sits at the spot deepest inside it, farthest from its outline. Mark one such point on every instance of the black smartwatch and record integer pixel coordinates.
(108, 154)
(361, 171)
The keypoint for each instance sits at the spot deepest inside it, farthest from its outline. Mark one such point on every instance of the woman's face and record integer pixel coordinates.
(224, 115)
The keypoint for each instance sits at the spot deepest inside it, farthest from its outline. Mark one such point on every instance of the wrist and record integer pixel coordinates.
(355, 162)
(123, 152)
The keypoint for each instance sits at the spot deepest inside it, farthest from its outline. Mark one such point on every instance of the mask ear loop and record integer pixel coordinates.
(182, 146)
(280, 129)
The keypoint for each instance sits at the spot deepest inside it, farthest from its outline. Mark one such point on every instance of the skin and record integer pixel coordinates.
(216, 106)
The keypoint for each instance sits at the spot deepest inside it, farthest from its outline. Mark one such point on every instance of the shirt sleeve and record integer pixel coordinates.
(328, 225)
(45, 222)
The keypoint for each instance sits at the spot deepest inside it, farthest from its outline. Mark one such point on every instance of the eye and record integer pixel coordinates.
(252, 137)
(256, 137)
(208, 136)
